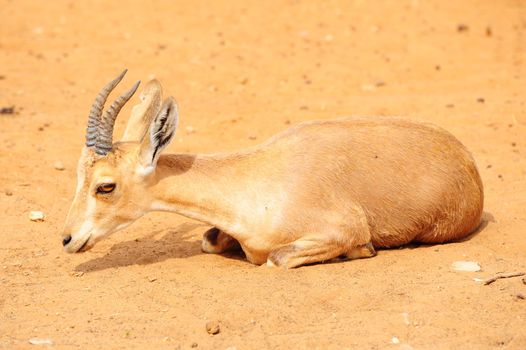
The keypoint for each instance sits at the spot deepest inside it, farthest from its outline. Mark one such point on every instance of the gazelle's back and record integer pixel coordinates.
(414, 181)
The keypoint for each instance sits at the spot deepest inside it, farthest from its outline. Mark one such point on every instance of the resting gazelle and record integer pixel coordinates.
(317, 191)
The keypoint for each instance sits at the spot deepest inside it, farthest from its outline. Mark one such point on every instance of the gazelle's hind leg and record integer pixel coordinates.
(216, 241)
(362, 251)
(315, 249)
(352, 243)
(307, 250)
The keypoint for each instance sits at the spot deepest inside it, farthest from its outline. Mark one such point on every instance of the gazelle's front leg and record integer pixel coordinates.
(216, 241)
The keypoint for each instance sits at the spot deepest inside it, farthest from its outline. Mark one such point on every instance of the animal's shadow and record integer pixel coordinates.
(150, 250)
(172, 244)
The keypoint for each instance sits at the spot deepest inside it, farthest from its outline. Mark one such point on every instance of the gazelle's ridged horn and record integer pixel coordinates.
(105, 132)
(96, 110)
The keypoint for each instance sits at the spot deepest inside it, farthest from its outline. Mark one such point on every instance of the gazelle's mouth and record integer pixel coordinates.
(84, 247)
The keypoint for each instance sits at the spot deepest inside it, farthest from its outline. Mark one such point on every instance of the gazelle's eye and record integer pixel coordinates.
(105, 188)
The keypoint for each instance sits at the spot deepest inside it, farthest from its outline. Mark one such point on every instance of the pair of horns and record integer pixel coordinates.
(100, 127)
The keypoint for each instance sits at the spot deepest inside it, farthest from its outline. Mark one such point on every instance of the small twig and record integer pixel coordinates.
(503, 275)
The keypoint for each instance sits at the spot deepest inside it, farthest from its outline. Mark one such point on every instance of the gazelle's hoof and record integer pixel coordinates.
(270, 263)
(363, 251)
(216, 241)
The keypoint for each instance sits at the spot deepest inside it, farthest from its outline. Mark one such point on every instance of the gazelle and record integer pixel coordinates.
(317, 191)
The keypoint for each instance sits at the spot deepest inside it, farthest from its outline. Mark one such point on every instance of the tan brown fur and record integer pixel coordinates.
(314, 192)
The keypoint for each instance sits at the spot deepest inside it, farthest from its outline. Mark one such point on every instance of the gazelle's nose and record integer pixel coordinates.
(66, 240)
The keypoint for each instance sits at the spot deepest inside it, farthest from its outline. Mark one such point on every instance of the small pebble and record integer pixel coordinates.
(190, 129)
(58, 165)
(489, 32)
(468, 266)
(36, 216)
(520, 296)
(212, 327)
(8, 192)
(38, 30)
(7, 110)
(39, 341)
(194, 345)
(462, 28)
(368, 87)
(152, 279)
(395, 340)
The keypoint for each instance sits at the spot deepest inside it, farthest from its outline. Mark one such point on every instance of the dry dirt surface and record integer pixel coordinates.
(242, 71)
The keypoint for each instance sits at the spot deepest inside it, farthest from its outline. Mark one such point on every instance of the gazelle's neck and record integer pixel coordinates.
(197, 187)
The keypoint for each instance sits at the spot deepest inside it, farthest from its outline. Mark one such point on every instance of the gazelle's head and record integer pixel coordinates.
(113, 178)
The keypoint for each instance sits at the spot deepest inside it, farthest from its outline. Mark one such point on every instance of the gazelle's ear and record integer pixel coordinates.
(143, 113)
(161, 132)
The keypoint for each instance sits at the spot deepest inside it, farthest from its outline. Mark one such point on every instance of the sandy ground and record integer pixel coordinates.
(242, 71)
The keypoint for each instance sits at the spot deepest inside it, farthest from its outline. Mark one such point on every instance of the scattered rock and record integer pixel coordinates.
(7, 110)
(467, 266)
(8, 192)
(58, 165)
(481, 100)
(152, 279)
(395, 340)
(212, 327)
(39, 341)
(194, 345)
(252, 137)
(520, 296)
(38, 30)
(405, 316)
(190, 129)
(462, 28)
(36, 216)
(368, 87)
(489, 31)
(450, 105)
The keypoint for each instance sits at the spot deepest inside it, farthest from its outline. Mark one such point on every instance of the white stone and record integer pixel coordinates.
(39, 341)
(468, 266)
(36, 216)
(58, 165)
